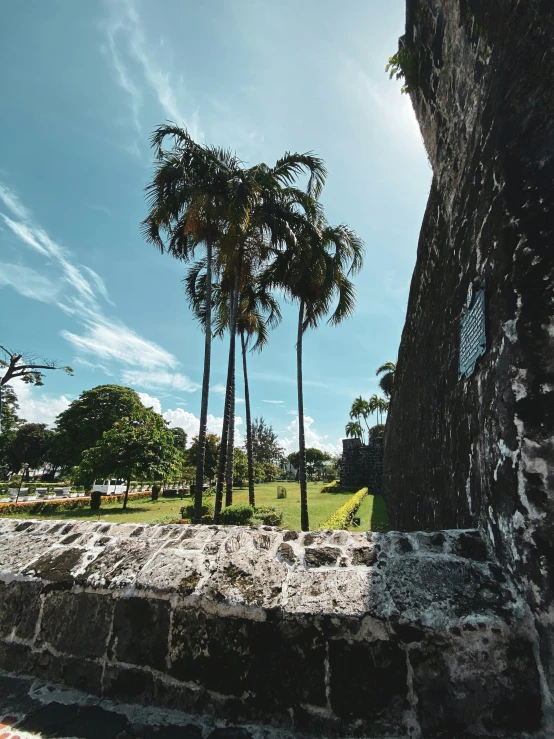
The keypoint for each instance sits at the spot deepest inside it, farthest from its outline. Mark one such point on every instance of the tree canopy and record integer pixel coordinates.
(265, 444)
(95, 411)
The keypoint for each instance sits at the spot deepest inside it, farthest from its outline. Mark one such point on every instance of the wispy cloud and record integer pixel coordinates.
(275, 402)
(91, 365)
(219, 388)
(100, 209)
(28, 283)
(160, 379)
(270, 377)
(103, 337)
(126, 35)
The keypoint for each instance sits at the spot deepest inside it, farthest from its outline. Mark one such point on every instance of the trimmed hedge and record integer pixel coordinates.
(330, 487)
(68, 504)
(342, 517)
(238, 514)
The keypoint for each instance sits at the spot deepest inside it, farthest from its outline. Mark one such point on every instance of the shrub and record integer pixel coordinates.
(236, 515)
(405, 63)
(342, 517)
(330, 487)
(187, 511)
(268, 516)
(209, 493)
(164, 519)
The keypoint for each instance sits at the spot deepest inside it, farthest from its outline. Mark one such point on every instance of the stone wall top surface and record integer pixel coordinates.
(430, 578)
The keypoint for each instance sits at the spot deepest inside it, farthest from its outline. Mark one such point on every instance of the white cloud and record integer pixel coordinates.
(150, 402)
(160, 379)
(91, 365)
(113, 340)
(106, 338)
(28, 283)
(37, 406)
(219, 388)
(275, 402)
(270, 377)
(191, 423)
(125, 21)
(312, 438)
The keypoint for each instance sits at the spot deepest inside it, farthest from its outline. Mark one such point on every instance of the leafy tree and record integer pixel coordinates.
(133, 447)
(95, 411)
(265, 443)
(316, 272)
(377, 431)
(386, 382)
(315, 459)
(29, 447)
(179, 437)
(25, 367)
(240, 465)
(211, 454)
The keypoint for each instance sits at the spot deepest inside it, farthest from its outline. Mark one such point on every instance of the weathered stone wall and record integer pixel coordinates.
(362, 464)
(480, 452)
(332, 633)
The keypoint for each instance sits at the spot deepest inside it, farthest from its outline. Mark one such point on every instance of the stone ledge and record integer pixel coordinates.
(328, 632)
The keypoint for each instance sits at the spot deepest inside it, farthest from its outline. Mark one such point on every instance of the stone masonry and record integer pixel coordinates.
(479, 452)
(329, 633)
(362, 464)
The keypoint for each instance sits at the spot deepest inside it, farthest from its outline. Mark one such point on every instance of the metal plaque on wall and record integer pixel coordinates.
(473, 338)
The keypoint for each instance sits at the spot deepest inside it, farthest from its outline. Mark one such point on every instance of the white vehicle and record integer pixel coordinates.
(109, 487)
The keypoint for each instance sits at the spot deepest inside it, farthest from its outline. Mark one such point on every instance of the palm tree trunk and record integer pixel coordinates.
(227, 408)
(230, 441)
(201, 455)
(251, 496)
(126, 493)
(304, 519)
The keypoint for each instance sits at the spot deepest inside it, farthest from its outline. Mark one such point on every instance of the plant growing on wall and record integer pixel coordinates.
(405, 65)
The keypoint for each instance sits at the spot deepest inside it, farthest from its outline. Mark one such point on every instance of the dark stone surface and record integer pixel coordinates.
(128, 684)
(140, 631)
(480, 451)
(321, 556)
(366, 680)
(76, 623)
(56, 566)
(19, 608)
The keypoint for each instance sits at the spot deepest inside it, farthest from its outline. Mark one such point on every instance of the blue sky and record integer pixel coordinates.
(87, 84)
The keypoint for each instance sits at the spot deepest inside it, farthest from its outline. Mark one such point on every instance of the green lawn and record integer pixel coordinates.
(372, 514)
(320, 506)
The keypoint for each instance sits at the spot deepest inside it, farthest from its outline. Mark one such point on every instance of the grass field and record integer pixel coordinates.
(372, 514)
(320, 506)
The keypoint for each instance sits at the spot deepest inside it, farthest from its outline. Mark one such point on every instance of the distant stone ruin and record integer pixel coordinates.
(362, 464)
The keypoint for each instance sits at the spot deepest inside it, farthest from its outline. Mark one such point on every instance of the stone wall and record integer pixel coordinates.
(480, 451)
(331, 633)
(362, 464)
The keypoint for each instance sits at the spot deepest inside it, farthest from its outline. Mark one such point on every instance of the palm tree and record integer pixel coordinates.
(360, 409)
(386, 383)
(203, 195)
(378, 405)
(188, 205)
(354, 429)
(258, 312)
(315, 271)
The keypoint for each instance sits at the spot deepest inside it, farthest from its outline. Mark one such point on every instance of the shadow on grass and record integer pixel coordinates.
(379, 515)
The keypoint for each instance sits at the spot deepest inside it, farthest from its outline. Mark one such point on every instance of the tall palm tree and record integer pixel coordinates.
(188, 206)
(204, 195)
(315, 272)
(258, 312)
(386, 383)
(354, 429)
(360, 409)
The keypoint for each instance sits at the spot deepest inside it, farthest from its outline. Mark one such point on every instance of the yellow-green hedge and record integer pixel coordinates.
(329, 487)
(342, 517)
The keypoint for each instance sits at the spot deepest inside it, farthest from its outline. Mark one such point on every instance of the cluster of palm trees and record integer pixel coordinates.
(258, 233)
(363, 409)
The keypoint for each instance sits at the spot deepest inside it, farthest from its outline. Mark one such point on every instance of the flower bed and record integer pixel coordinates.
(68, 504)
(342, 517)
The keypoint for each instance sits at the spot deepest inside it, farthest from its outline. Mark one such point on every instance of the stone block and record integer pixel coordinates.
(140, 632)
(368, 682)
(77, 624)
(19, 608)
(129, 684)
